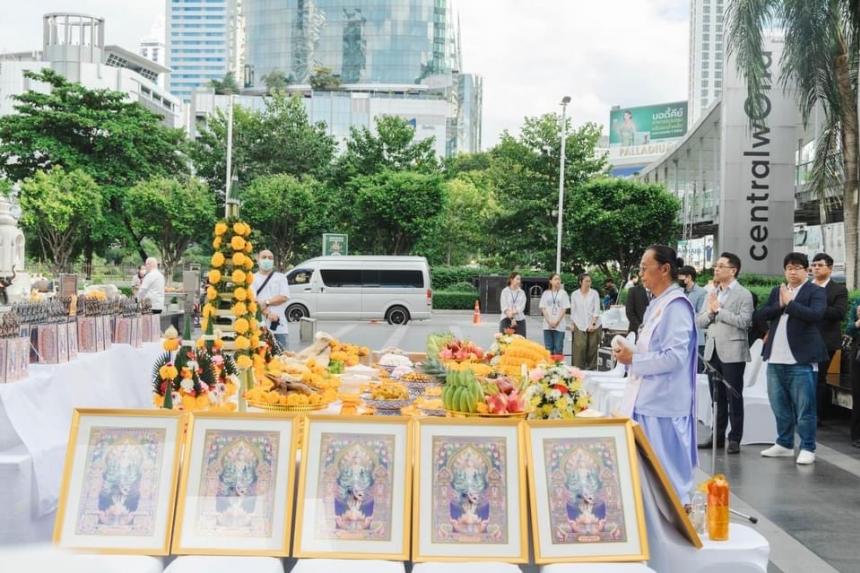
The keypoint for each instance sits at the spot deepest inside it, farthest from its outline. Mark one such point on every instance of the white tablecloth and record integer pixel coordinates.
(37, 411)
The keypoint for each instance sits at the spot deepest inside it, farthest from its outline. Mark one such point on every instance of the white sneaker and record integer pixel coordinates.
(777, 451)
(805, 457)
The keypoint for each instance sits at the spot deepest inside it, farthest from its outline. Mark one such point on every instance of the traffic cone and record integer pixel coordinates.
(476, 316)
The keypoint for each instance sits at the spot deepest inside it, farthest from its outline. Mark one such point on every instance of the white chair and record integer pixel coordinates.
(347, 566)
(118, 563)
(466, 567)
(751, 372)
(39, 558)
(225, 564)
(596, 568)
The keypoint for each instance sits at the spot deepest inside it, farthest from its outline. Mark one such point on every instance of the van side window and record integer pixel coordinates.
(299, 276)
(375, 278)
(341, 277)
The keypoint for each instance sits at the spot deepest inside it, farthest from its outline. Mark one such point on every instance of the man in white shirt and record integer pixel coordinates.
(585, 317)
(273, 291)
(152, 286)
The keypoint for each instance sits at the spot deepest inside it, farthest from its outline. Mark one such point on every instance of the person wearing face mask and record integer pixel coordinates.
(696, 294)
(273, 291)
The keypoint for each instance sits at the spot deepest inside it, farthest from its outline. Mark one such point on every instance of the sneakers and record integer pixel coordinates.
(777, 451)
(805, 458)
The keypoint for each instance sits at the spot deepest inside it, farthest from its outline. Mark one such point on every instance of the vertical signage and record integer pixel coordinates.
(756, 219)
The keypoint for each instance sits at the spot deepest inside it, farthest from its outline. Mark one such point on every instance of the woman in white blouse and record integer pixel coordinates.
(513, 304)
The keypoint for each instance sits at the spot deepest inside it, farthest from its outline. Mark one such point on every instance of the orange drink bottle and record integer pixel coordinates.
(718, 508)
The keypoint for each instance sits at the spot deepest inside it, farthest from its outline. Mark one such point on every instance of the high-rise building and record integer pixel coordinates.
(204, 43)
(706, 55)
(153, 50)
(361, 42)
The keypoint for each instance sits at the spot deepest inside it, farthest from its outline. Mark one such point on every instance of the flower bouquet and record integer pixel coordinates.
(555, 392)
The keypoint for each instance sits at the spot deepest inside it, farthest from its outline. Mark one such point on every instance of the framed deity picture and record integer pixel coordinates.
(586, 504)
(675, 511)
(119, 481)
(236, 492)
(354, 488)
(469, 501)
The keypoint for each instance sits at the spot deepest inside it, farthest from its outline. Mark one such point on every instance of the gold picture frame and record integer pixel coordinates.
(597, 513)
(336, 504)
(118, 490)
(236, 490)
(481, 462)
(680, 518)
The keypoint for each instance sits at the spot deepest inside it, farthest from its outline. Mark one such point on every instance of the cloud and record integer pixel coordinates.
(530, 52)
(601, 53)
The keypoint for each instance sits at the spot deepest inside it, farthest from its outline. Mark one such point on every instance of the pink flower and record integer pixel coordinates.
(537, 374)
(576, 373)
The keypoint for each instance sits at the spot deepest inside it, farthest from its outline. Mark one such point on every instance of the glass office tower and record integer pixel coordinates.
(361, 41)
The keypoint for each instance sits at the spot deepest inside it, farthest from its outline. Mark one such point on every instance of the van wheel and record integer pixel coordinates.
(295, 312)
(397, 315)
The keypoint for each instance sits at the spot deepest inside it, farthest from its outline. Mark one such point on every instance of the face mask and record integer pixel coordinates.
(267, 264)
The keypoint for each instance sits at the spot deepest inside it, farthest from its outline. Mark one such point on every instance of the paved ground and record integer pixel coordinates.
(810, 515)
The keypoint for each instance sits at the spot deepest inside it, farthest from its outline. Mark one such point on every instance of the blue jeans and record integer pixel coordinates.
(553, 340)
(791, 390)
(281, 339)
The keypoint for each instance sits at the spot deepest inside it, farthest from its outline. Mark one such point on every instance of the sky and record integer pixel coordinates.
(530, 53)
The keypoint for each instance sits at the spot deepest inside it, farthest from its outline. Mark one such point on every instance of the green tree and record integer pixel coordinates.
(289, 214)
(226, 85)
(173, 213)
(524, 171)
(278, 139)
(466, 162)
(392, 148)
(820, 62)
(58, 207)
(461, 230)
(324, 80)
(276, 80)
(393, 210)
(615, 220)
(116, 142)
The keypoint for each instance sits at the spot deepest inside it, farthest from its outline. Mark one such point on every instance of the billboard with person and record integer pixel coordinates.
(649, 130)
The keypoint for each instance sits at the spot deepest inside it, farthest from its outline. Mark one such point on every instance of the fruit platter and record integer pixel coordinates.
(464, 394)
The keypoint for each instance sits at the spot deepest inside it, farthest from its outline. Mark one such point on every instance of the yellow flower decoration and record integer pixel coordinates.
(220, 228)
(211, 293)
(244, 361)
(239, 309)
(217, 259)
(248, 247)
(239, 228)
(208, 310)
(170, 344)
(254, 323)
(214, 276)
(241, 342)
(239, 260)
(249, 280)
(189, 403)
(216, 243)
(255, 341)
(238, 277)
(167, 372)
(252, 307)
(237, 242)
(241, 326)
(202, 402)
(249, 263)
(240, 294)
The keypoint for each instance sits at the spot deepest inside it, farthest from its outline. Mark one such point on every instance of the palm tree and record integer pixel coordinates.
(820, 65)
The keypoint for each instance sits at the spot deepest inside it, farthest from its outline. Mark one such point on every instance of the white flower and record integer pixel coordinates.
(553, 394)
(187, 384)
(554, 415)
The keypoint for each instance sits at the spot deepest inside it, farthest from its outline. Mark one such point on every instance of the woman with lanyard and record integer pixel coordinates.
(662, 370)
(513, 304)
(554, 303)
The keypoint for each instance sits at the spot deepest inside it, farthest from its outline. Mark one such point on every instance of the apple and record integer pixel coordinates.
(504, 385)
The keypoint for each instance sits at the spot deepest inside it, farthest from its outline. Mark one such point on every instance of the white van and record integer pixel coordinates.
(358, 287)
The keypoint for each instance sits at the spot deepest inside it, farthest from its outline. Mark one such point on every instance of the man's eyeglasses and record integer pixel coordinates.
(795, 268)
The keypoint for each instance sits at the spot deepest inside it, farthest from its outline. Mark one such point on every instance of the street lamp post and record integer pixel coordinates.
(564, 101)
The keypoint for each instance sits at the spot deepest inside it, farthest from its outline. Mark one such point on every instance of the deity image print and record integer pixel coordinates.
(236, 487)
(585, 506)
(469, 491)
(121, 480)
(355, 487)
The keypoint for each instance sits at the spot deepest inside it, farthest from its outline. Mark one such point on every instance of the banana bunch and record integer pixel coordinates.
(462, 392)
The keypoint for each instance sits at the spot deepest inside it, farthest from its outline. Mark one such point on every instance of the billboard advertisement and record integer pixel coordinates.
(646, 131)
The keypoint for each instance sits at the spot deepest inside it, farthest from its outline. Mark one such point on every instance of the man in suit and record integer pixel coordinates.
(697, 295)
(830, 327)
(637, 302)
(793, 349)
(725, 319)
